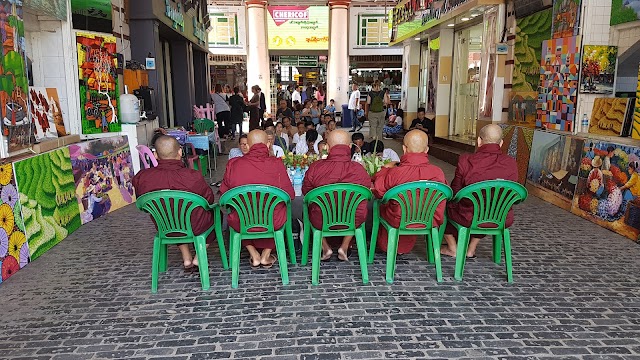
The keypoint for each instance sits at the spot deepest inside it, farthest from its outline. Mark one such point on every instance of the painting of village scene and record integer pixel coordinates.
(566, 18)
(102, 171)
(609, 186)
(553, 166)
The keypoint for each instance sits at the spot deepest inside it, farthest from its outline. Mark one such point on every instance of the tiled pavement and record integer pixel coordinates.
(575, 295)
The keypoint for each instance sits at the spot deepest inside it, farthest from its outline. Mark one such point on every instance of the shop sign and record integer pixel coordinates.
(432, 10)
(298, 27)
(175, 14)
(199, 31)
(289, 60)
(299, 61)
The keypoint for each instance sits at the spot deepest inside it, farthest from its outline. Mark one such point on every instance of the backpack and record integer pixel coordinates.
(377, 101)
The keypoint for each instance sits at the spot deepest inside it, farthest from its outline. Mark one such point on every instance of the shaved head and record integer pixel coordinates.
(257, 137)
(416, 141)
(490, 134)
(338, 137)
(167, 148)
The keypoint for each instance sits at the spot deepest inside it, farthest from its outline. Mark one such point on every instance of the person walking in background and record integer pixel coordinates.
(354, 105)
(320, 94)
(236, 103)
(254, 108)
(223, 111)
(376, 101)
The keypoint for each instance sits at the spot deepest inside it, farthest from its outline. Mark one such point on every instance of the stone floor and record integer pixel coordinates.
(575, 295)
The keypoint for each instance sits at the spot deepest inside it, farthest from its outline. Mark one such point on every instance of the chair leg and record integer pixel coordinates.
(289, 234)
(164, 257)
(218, 229)
(203, 262)
(507, 254)
(375, 227)
(392, 253)
(435, 252)
(235, 258)
(315, 258)
(362, 253)
(155, 265)
(497, 248)
(282, 256)
(304, 257)
(461, 255)
(428, 240)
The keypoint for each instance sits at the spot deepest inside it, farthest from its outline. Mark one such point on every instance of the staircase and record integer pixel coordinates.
(449, 150)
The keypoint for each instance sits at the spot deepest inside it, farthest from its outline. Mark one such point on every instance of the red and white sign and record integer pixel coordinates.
(282, 14)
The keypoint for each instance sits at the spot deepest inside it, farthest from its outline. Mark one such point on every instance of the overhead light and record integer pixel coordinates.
(451, 25)
(465, 19)
(417, 39)
(475, 15)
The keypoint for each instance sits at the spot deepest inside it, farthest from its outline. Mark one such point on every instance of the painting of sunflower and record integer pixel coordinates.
(6, 218)
(6, 174)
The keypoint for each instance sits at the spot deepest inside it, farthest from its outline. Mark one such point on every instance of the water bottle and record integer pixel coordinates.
(297, 182)
(585, 123)
(291, 172)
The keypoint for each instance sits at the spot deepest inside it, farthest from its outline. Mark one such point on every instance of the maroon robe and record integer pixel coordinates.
(257, 167)
(413, 167)
(487, 163)
(336, 168)
(173, 175)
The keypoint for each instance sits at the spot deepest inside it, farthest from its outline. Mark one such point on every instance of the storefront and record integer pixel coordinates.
(450, 62)
(172, 34)
(227, 44)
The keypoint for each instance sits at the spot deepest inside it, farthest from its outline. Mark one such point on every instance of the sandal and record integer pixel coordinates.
(188, 268)
(342, 256)
(254, 267)
(327, 256)
(269, 265)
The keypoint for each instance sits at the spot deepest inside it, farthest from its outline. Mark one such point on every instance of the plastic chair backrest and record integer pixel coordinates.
(202, 125)
(146, 155)
(255, 205)
(338, 204)
(492, 200)
(418, 201)
(171, 210)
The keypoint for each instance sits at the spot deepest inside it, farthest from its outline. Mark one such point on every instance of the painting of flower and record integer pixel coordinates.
(6, 218)
(6, 174)
(4, 243)
(9, 195)
(16, 240)
(9, 267)
(13, 243)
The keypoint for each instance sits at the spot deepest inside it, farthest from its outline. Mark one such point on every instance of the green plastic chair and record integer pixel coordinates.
(202, 125)
(492, 201)
(338, 203)
(171, 211)
(418, 202)
(255, 205)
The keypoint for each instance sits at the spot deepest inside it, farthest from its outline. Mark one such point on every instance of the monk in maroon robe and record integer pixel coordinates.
(257, 167)
(336, 168)
(172, 174)
(488, 163)
(414, 166)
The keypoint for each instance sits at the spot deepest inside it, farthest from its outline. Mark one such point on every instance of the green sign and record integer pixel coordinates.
(100, 9)
(299, 61)
(175, 14)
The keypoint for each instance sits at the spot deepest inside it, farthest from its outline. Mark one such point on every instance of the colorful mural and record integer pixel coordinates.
(522, 108)
(598, 69)
(531, 31)
(14, 83)
(635, 133)
(14, 249)
(102, 172)
(554, 164)
(47, 196)
(517, 143)
(566, 18)
(624, 11)
(98, 83)
(610, 116)
(609, 186)
(558, 90)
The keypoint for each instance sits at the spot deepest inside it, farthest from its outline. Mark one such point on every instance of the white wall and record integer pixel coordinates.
(354, 49)
(241, 12)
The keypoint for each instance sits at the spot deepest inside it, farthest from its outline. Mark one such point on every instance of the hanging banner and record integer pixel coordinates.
(298, 27)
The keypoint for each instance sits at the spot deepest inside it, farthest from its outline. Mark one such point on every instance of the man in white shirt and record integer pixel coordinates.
(296, 96)
(302, 147)
(354, 105)
(274, 150)
(385, 154)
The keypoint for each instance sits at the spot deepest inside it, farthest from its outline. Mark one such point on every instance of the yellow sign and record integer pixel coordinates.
(298, 28)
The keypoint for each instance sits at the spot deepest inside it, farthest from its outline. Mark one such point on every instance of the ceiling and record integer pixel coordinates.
(369, 3)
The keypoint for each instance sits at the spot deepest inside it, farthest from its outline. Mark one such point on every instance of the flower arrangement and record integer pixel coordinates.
(292, 160)
(373, 163)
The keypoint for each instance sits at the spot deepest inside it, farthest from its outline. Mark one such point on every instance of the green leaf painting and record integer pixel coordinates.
(624, 11)
(47, 194)
(531, 31)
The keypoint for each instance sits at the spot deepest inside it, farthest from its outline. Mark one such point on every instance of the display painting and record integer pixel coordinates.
(14, 83)
(559, 76)
(46, 116)
(102, 172)
(609, 186)
(566, 18)
(531, 32)
(635, 132)
(554, 165)
(517, 143)
(598, 69)
(523, 108)
(47, 196)
(609, 116)
(97, 61)
(624, 11)
(14, 249)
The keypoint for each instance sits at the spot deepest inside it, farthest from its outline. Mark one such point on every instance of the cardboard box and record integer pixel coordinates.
(69, 139)
(45, 146)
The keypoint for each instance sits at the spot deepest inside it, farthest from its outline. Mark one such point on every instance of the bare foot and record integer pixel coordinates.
(447, 252)
(342, 255)
(255, 262)
(327, 255)
(268, 262)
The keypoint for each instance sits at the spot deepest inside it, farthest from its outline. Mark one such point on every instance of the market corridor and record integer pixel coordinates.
(575, 292)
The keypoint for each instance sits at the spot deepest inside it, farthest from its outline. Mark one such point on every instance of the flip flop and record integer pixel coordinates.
(326, 256)
(342, 256)
(472, 257)
(253, 267)
(189, 268)
(270, 265)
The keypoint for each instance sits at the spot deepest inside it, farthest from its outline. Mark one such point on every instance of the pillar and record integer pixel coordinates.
(445, 75)
(258, 72)
(410, 80)
(184, 96)
(338, 65)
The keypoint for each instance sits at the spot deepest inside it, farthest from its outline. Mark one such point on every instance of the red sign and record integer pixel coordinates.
(282, 14)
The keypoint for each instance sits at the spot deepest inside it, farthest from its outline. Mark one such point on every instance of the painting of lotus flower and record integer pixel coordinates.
(47, 195)
(609, 186)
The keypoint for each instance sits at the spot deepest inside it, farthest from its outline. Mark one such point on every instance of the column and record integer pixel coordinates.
(338, 64)
(410, 81)
(257, 51)
(184, 96)
(445, 74)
